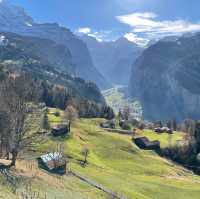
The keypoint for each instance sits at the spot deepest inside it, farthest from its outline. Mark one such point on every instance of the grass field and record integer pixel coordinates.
(115, 162)
(164, 138)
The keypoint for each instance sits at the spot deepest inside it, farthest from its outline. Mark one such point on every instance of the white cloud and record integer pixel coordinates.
(84, 30)
(150, 27)
(99, 35)
(136, 39)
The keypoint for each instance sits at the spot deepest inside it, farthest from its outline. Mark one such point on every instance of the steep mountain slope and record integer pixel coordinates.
(47, 51)
(54, 87)
(113, 58)
(166, 79)
(14, 19)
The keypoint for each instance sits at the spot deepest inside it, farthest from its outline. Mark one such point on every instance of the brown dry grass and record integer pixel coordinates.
(29, 169)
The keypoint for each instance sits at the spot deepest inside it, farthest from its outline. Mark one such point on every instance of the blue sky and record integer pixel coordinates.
(138, 20)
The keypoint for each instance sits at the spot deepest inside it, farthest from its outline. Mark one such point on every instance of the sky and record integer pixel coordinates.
(137, 20)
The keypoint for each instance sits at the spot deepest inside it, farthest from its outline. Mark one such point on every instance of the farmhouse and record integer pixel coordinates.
(108, 124)
(53, 162)
(163, 130)
(60, 130)
(144, 143)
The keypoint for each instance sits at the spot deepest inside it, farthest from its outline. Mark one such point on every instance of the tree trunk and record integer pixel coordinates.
(14, 158)
(7, 156)
(85, 161)
(69, 126)
(1, 147)
(7, 152)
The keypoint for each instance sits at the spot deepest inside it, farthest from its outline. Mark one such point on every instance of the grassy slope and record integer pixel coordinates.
(114, 162)
(164, 138)
(51, 186)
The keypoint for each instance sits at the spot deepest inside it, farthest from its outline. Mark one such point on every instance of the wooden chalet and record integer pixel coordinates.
(110, 124)
(163, 130)
(145, 143)
(60, 130)
(53, 162)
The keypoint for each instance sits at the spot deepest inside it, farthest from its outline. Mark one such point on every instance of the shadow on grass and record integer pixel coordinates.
(60, 138)
(4, 167)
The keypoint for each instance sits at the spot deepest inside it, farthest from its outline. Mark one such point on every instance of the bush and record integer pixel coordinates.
(135, 122)
(141, 126)
(57, 114)
(184, 154)
(126, 126)
(45, 121)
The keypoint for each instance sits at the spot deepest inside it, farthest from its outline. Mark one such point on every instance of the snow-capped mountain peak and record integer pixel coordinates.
(12, 16)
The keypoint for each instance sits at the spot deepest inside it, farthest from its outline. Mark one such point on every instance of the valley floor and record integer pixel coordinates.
(114, 162)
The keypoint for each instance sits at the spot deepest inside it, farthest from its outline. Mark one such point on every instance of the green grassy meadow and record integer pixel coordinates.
(114, 162)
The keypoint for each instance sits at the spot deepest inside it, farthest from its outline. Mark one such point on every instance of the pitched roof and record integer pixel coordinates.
(51, 156)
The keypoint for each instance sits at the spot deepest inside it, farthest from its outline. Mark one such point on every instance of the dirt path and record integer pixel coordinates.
(98, 186)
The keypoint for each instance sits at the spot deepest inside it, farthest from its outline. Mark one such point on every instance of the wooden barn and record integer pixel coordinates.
(145, 143)
(110, 124)
(163, 130)
(60, 130)
(53, 162)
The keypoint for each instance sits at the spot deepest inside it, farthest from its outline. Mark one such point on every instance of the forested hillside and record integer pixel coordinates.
(15, 19)
(53, 86)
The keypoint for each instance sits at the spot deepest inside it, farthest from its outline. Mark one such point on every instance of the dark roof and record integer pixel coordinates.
(60, 127)
(144, 143)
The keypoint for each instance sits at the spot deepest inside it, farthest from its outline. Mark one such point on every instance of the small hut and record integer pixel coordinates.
(110, 124)
(53, 162)
(60, 130)
(163, 130)
(144, 143)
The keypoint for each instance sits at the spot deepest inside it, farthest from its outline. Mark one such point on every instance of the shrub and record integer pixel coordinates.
(141, 126)
(135, 122)
(57, 113)
(45, 121)
(126, 126)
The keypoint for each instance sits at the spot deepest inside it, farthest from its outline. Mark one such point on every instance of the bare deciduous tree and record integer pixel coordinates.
(44, 120)
(85, 153)
(71, 113)
(14, 105)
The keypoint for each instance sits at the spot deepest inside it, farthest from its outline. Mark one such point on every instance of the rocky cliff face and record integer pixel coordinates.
(14, 19)
(113, 58)
(166, 79)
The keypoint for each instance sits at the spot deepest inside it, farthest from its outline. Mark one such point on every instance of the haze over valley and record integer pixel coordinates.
(99, 99)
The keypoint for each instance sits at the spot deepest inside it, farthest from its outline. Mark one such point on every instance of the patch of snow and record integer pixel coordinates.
(3, 40)
(28, 24)
(179, 43)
